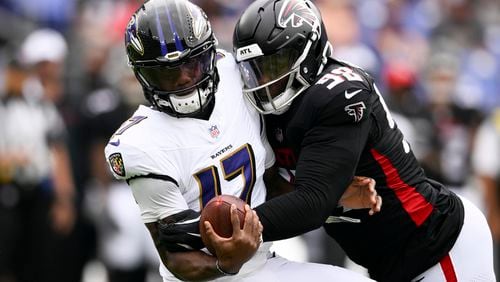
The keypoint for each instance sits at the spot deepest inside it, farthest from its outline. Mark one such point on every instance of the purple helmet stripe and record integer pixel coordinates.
(159, 29)
(178, 44)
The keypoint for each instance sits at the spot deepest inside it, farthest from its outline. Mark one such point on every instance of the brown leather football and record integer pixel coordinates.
(218, 212)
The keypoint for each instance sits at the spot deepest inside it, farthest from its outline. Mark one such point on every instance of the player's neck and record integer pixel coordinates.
(207, 112)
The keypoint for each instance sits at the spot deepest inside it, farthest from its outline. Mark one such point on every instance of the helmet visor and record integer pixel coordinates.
(181, 76)
(266, 69)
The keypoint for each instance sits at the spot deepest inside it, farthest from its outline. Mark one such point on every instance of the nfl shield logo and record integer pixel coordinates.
(214, 131)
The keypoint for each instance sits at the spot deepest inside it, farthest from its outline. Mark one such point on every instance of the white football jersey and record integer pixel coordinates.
(225, 154)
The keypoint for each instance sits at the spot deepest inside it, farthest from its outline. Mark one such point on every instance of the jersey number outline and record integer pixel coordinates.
(240, 162)
(128, 124)
(339, 75)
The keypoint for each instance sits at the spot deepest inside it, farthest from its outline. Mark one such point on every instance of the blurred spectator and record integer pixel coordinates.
(460, 24)
(56, 14)
(123, 244)
(398, 44)
(36, 187)
(487, 168)
(408, 109)
(344, 33)
(466, 31)
(44, 52)
(106, 96)
(454, 126)
(400, 81)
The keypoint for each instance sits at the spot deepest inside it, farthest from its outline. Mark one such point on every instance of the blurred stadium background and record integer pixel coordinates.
(436, 61)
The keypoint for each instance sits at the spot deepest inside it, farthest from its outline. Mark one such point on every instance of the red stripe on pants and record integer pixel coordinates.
(448, 269)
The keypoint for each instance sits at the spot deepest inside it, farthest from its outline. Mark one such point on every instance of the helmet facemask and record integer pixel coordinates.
(182, 89)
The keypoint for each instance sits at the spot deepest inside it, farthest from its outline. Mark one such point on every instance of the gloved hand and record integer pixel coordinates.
(180, 232)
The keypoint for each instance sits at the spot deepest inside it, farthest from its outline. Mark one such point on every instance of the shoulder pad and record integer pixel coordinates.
(127, 161)
(352, 105)
(345, 91)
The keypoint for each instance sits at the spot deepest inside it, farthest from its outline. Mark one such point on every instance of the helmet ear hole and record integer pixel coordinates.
(300, 42)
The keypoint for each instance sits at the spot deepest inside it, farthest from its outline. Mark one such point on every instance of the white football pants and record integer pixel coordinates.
(471, 258)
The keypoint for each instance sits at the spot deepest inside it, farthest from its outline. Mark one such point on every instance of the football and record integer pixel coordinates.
(218, 212)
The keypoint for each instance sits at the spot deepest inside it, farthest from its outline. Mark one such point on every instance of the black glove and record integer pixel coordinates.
(181, 232)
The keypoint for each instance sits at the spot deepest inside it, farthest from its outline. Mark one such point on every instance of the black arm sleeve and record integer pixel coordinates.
(326, 165)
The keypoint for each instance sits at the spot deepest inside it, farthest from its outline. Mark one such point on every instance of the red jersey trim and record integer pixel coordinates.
(413, 202)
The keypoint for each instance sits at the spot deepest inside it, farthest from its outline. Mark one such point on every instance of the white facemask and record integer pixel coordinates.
(188, 103)
(281, 103)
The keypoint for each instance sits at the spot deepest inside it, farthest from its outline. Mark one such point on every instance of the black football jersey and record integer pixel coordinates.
(339, 128)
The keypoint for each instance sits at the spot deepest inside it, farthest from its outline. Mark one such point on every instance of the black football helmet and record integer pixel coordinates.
(172, 51)
(281, 46)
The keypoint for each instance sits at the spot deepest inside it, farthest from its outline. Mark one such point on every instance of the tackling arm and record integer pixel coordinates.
(329, 153)
(360, 194)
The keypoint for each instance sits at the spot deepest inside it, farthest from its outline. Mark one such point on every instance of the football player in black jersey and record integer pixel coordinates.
(327, 121)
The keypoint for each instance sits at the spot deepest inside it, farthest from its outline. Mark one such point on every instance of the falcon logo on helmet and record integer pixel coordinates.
(296, 13)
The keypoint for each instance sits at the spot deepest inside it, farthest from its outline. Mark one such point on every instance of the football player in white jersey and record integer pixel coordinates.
(193, 144)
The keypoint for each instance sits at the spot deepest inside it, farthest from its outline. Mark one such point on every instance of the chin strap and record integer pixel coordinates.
(327, 51)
